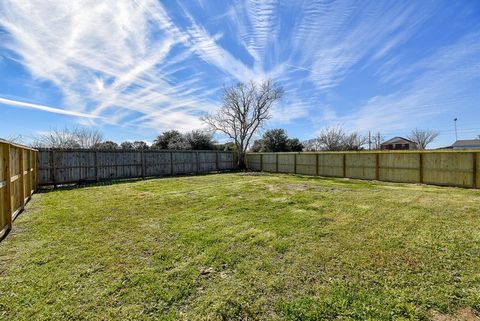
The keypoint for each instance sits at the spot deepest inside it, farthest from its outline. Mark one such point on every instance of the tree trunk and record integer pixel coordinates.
(241, 162)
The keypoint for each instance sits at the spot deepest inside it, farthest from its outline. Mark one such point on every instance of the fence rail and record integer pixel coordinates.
(57, 166)
(18, 176)
(447, 168)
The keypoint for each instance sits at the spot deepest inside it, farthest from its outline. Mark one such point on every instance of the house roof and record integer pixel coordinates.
(467, 142)
(391, 140)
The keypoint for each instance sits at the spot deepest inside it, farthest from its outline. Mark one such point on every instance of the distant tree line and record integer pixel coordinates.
(90, 138)
(338, 139)
(194, 140)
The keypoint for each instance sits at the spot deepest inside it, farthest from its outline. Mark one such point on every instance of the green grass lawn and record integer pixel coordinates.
(244, 247)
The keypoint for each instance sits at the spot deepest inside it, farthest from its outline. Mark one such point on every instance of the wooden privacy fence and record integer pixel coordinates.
(17, 181)
(448, 168)
(57, 166)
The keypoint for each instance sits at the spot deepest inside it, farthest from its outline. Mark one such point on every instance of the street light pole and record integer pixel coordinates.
(455, 122)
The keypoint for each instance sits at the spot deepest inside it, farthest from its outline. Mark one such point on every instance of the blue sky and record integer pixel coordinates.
(134, 68)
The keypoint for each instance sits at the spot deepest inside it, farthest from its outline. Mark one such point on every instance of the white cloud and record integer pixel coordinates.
(110, 58)
(55, 110)
(437, 88)
(134, 63)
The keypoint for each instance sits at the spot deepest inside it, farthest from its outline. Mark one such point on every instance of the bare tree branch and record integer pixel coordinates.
(422, 137)
(336, 139)
(69, 138)
(245, 109)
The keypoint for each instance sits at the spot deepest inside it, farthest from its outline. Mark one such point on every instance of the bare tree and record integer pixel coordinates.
(377, 140)
(331, 138)
(312, 145)
(336, 139)
(246, 108)
(87, 137)
(15, 138)
(56, 138)
(422, 137)
(354, 141)
(69, 138)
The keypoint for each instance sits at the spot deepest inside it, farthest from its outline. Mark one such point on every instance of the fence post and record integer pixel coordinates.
(52, 174)
(276, 163)
(261, 162)
(171, 163)
(97, 174)
(197, 160)
(8, 181)
(377, 166)
(21, 178)
(474, 185)
(35, 170)
(295, 163)
(316, 165)
(421, 167)
(216, 161)
(30, 172)
(344, 165)
(142, 155)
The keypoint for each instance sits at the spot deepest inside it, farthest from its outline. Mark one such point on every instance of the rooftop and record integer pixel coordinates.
(467, 142)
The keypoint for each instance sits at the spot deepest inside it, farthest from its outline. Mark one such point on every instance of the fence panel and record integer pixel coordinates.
(17, 181)
(269, 163)
(362, 166)
(286, 163)
(226, 160)
(446, 167)
(306, 164)
(395, 167)
(158, 163)
(331, 165)
(78, 165)
(207, 161)
(452, 169)
(254, 162)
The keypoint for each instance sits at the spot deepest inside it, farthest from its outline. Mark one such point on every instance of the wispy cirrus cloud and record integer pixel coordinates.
(438, 87)
(114, 58)
(152, 64)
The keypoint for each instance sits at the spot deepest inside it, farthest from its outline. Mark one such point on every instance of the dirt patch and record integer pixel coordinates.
(252, 174)
(465, 314)
(300, 188)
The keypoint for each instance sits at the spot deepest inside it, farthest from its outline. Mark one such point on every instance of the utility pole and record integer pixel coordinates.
(369, 141)
(455, 122)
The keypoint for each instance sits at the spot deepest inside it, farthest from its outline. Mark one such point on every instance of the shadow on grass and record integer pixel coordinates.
(70, 186)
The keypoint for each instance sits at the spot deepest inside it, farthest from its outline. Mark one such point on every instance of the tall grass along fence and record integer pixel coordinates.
(448, 168)
(57, 166)
(18, 176)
